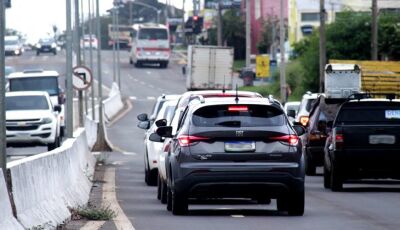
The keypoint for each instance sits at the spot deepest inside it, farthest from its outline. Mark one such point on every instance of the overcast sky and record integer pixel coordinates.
(35, 18)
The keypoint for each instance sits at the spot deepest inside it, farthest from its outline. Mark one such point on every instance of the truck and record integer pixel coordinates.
(342, 80)
(209, 67)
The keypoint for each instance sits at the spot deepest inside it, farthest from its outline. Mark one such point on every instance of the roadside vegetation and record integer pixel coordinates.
(92, 212)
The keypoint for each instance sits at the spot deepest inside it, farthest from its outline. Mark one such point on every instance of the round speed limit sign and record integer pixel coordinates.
(82, 77)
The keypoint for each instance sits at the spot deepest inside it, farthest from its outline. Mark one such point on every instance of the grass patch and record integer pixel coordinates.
(238, 65)
(92, 212)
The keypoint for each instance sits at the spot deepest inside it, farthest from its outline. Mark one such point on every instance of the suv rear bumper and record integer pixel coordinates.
(243, 181)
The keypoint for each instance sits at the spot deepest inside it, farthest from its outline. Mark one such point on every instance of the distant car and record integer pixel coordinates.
(291, 108)
(31, 119)
(235, 148)
(13, 46)
(151, 148)
(46, 45)
(364, 142)
(302, 116)
(88, 40)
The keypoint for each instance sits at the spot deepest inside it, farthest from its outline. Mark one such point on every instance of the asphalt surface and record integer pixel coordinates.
(367, 205)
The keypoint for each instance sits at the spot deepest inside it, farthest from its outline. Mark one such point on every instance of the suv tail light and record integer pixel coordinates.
(304, 120)
(291, 140)
(238, 108)
(338, 139)
(186, 140)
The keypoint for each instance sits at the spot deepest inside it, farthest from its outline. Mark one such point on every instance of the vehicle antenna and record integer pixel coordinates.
(237, 95)
(223, 87)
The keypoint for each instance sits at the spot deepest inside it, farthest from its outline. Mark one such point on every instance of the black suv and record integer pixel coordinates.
(364, 142)
(235, 148)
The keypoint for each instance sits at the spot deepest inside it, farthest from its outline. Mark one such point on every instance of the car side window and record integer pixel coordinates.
(182, 119)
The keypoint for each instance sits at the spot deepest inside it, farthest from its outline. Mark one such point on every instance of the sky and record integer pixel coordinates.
(35, 18)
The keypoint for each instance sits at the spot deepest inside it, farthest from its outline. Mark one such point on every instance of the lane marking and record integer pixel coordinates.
(142, 82)
(151, 86)
(136, 80)
(121, 221)
(129, 153)
(148, 72)
(237, 216)
(151, 98)
(133, 98)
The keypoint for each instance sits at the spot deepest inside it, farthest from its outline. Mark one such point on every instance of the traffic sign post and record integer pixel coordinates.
(82, 77)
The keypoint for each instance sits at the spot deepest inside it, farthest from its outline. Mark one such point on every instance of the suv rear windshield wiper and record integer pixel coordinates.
(229, 123)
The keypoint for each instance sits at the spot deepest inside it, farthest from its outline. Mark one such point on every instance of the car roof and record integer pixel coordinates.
(196, 104)
(34, 73)
(168, 97)
(221, 93)
(292, 103)
(27, 93)
(310, 95)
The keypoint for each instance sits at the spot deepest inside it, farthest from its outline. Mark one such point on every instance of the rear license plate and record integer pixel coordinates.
(240, 146)
(382, 139)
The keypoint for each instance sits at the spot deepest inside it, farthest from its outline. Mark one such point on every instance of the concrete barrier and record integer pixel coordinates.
(46, 185)
(91, 128)
(113, 104)
(7, 220)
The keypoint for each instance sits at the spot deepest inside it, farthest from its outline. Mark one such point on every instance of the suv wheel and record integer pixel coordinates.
(54, 145)
(169, 199)
(179, 203)
(163, 192)
(327, 177)
(281, 204)
(310, 167)
(150, 177)
(159, 187)
(296, 203)
(336, 178)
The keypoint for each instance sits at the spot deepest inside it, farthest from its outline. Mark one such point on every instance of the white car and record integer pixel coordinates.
(152, 149)
(31, 119)
(291, 108)
(13, 45)
(303, 113)
(86, 40)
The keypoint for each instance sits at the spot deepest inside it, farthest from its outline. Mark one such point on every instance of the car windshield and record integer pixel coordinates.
(238, 116)
(11, 42)
(153, 34)
(48, 84)
(26, 103)
(46, 41)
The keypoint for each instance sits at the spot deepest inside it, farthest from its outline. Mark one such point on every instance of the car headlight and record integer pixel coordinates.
(53, 45)
(38, 46)
(47, 120)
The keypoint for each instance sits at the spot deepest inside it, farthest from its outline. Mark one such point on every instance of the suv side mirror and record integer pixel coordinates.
(144, 125)
(164, 131)
(300, 130)
(161, 122)
(142, 117)
(57, 108)
(156, 138)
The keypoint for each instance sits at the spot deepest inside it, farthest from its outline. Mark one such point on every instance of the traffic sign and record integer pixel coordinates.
(262, 65)
(82, 77)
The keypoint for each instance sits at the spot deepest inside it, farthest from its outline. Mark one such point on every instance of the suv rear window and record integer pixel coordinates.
(153, 34)
(26, 103)
(48, 84)
(238, 116)
(388, 115)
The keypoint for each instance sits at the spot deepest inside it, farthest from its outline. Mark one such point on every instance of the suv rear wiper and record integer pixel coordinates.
(229, 123)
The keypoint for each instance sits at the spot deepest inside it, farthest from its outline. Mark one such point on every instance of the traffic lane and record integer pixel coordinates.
(360, 206)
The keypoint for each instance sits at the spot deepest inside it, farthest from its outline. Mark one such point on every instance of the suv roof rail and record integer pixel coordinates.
(272, 100)
(33, 71)
(198, 97)
(359, 96)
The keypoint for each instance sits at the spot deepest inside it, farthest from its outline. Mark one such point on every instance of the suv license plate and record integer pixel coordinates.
(382, 139)
(240, 146)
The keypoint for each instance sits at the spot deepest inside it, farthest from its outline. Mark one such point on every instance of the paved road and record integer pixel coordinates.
(360, 206)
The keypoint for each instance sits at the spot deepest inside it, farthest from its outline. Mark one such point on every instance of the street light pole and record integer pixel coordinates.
(118, 48)
(101, 137)
(92, 87)
(248, 33)
(113, 30)
(3, 141)
(68, 75)
(78, 60)
(282, 52)
(374, 31)
(322, 46)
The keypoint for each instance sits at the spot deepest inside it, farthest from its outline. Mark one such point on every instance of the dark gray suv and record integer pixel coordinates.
(235, 148)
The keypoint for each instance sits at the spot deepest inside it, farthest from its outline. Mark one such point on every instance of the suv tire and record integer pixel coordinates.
(163, 192)
(169, 199)
(296, 203)
(310, 167)
(336, 177)
(327, 177)
(179, 203)
(159, 187)
(54, 145)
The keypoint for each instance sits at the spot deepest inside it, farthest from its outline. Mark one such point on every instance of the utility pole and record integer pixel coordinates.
(118, 48)
(282, 51)
(3, 141)
(183, 23)
(84, 54)
(114, 37)
(219, 24)
(68, 75)
(248, 33)
(130, 13)
(78, 60)
(100, 134)
(374, 31)
(322, 45)
(92, 87)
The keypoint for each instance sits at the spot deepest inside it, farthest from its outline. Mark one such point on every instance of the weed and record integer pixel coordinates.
(92, 212)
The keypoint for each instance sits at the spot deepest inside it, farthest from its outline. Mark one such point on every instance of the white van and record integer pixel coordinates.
(150, 44)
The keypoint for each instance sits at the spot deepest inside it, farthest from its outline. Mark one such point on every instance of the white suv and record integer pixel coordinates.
(303, 113)
(31, 119)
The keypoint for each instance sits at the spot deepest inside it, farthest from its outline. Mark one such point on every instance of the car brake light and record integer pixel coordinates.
(304, 120)
(186, 140)
(339, 141)
(238, 108)
(292, 140)
(167, 147)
